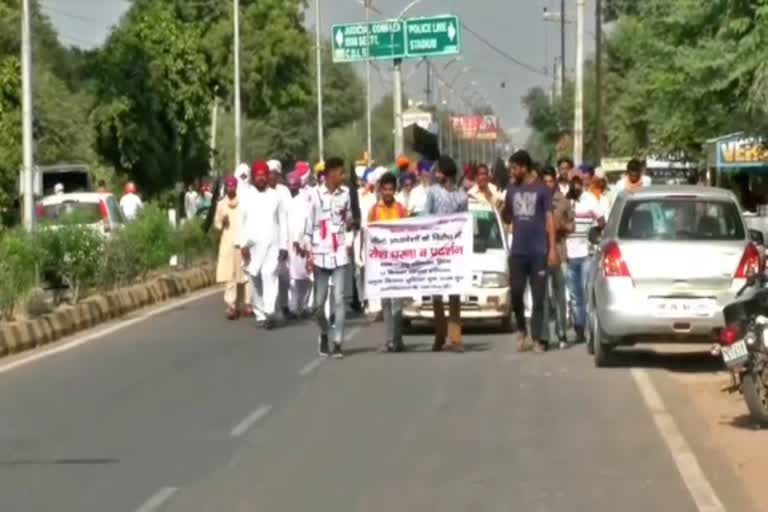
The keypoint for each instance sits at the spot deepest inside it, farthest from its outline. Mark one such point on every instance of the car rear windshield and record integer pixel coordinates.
(487, 231)
(71, 213)
(681, 218)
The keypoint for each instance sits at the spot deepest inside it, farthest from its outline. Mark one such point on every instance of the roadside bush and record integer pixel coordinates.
(72, 256)
(151, 238)
(121, 265)
(18, 272)
(194, 242)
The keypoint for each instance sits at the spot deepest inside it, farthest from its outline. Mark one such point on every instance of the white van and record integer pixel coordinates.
(488, 300)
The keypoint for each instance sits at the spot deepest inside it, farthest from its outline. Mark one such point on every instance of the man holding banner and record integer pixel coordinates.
(387, 210)
(445, 198)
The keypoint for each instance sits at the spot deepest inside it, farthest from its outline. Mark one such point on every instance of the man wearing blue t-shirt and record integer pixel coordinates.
(529, 209)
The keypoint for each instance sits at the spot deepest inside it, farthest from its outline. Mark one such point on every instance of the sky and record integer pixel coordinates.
(515, 27)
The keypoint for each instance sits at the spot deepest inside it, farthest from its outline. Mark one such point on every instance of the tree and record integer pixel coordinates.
(552, 119)
(154, 95)
(61, 126)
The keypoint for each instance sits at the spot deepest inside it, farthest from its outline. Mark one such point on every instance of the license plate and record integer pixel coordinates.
(735, 355)
(682, 308)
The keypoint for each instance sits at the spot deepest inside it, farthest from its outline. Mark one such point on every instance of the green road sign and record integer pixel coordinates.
(396, 39)
(434, 36)
(360, 41)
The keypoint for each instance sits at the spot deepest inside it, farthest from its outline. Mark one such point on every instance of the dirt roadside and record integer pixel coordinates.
(723, 419)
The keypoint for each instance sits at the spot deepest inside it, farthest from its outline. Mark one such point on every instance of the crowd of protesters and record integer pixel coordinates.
(291, 242)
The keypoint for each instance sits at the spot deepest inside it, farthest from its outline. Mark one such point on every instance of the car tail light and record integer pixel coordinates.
(40, 211)
(730, 334)
(613, 263)
(749, 264)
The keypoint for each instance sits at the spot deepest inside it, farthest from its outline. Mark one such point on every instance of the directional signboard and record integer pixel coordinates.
(363, 41)
(432, 36)
(396, 39)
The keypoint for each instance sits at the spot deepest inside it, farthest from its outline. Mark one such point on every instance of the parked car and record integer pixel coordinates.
(488, 300)
(98, 210)
(668, 261)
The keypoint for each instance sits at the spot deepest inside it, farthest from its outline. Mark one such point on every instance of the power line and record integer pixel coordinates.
(504, 54)
(71, 16)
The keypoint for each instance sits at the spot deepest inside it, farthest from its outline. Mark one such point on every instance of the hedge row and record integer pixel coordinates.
(76, 259)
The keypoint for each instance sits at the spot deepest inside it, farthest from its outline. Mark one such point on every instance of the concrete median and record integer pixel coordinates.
(27, 334)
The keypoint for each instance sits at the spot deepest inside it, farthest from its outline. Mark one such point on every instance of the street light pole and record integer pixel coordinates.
(578, 129)
(26, 109)
(397, 98)
(562, 46)
(369, 146)
(599, 81)
(238, 133)
(319, 73)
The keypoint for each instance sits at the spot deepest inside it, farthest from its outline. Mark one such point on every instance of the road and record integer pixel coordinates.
(188, 412)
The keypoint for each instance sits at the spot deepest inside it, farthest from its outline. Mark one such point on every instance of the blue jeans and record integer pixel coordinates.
(556, 306)
(578, 275)
(338, 307)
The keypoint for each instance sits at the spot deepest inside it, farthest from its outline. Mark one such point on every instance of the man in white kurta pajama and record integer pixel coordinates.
(300, 282)
(283, 273)
(263, 242)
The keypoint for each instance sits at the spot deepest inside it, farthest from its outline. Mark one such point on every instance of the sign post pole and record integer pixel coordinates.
(397, 98)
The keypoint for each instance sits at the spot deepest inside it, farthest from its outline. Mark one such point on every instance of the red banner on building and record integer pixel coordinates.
(476, 127)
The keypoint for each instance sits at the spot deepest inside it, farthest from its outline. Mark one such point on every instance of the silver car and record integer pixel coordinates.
(667, 262)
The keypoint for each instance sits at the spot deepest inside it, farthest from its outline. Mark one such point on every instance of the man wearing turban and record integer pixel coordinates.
(263, 242)
(229, 269)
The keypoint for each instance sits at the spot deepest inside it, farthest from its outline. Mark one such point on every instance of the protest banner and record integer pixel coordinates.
(419, 256)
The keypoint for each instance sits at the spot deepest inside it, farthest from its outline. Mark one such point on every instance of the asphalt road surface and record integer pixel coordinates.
(188, 412)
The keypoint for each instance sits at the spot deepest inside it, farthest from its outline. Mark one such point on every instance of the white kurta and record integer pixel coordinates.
(417, 200)
(264, 230)
(298, 213)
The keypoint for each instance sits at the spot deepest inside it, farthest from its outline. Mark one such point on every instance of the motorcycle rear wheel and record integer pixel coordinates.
(755, 391)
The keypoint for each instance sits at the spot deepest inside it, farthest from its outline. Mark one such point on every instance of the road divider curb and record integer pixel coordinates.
(25, 335)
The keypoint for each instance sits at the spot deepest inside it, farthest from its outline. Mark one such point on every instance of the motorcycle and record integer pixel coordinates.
(744, 346)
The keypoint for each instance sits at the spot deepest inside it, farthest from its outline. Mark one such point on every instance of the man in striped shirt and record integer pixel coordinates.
(587, 213)
(328, 239)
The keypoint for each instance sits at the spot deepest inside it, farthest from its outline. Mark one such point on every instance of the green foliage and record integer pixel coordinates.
(151, 239)
(10, 126)
(153, 98)
(18, 258)
(194, 241)
(552, 119)
(121, 265)
(72, 255)
(677, 73)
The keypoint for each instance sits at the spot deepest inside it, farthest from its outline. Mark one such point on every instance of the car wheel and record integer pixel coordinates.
(602, 349)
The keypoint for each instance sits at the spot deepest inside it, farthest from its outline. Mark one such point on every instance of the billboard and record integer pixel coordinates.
(476, 127)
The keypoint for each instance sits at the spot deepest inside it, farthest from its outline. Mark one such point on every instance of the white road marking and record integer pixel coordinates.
(311, 366)
(315, 363)
(158, 499)
(250, 420)
(59, 347)
(701, 490)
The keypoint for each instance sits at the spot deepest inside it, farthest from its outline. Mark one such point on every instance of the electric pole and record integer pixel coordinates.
(428, 90)
(562, 45)
(578, 129)
(598, 81)
(238, 114)
(397, 97)
(369, 146)
(319, 72)
(28, 213)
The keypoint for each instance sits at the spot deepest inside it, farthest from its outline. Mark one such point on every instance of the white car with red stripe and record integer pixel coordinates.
(98, 210)
(668, 261)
